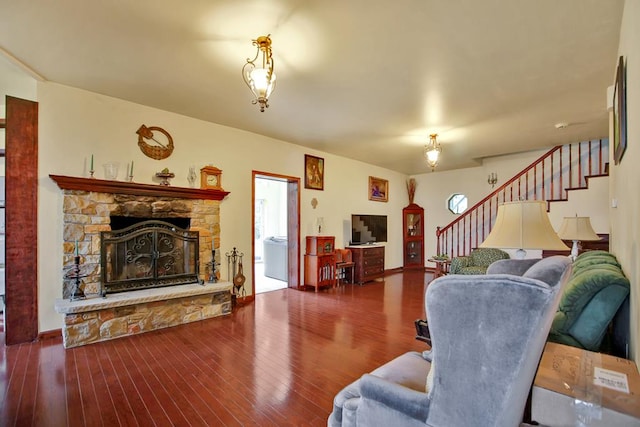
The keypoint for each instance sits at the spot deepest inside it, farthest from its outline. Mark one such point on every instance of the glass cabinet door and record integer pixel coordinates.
(414, 228)
(414, 252)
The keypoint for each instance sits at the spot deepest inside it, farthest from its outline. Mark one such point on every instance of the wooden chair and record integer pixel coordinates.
(344, 266)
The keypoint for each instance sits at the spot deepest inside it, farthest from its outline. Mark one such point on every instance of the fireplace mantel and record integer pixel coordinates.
(136, 189)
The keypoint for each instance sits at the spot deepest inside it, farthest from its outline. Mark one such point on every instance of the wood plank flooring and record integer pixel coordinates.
(276, 362)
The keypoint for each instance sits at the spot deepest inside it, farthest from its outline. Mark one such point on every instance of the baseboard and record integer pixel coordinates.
(46, 335)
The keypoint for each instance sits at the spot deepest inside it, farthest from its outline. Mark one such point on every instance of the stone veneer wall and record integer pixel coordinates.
(86, 214)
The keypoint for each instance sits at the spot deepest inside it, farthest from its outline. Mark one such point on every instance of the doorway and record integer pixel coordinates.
(275, 232)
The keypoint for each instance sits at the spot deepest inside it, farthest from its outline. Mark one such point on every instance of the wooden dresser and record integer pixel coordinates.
(369, 262)
(320, 262)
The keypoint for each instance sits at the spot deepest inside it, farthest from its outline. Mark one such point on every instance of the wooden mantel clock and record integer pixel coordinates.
(211, 178)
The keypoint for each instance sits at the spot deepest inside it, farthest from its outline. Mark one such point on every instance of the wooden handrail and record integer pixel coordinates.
(449, 238)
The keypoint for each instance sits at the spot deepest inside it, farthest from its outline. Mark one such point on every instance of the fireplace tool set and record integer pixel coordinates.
(234, 270)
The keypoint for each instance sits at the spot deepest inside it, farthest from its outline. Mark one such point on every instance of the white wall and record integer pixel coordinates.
(625, 177)
(75, 124)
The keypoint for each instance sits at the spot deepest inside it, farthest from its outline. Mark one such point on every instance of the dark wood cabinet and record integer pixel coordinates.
(320, 262)
(369, 263)
(413, 236)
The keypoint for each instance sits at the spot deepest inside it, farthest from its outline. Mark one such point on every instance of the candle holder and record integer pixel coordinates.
(91, 172)
(212, 277)
(130, 179)
(74, 274)
(165, 177)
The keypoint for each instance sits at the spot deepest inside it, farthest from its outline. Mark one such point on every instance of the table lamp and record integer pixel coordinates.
(523, 225)
(577, 228)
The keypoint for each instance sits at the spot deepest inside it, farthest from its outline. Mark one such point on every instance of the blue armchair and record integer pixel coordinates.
(484, 358)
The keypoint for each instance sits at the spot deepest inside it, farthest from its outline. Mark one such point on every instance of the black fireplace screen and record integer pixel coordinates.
(149, 254)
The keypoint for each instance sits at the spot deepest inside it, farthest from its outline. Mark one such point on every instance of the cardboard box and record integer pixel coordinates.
(575, 387)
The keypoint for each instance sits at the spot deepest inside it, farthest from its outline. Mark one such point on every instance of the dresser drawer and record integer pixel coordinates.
(371, 262)
(373, 271)
(373, 252)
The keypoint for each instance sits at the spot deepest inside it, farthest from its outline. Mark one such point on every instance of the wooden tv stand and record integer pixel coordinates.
(369, 260)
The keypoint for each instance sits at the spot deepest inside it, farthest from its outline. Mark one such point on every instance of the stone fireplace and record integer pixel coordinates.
(89, 206)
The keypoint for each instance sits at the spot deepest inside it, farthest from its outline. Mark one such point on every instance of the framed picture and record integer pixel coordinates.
(313, 172)
(378, 189)
(620, 113)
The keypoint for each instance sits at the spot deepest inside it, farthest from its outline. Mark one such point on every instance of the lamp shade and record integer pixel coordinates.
(523, 225)
(577, 228)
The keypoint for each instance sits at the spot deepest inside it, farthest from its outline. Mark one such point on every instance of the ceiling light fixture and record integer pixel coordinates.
(432, 151)
(260, 78)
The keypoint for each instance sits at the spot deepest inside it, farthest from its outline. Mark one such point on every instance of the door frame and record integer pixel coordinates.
(293, 226)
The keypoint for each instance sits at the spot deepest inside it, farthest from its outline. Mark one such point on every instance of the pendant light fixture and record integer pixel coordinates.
(432, 151)
(258, 72)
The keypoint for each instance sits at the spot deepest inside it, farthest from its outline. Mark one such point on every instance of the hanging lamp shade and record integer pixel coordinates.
(432, 151)
(258, 72)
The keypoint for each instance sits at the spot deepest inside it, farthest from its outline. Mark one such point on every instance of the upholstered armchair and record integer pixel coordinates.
(488, 333)
(477, 261)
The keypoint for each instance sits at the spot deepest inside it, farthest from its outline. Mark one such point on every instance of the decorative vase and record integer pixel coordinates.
(191, 176)
(111, 170)
(411, 189)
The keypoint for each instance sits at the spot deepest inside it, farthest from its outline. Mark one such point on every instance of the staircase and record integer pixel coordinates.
(562, 169)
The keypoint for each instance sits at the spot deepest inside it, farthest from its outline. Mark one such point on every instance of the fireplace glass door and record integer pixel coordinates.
(149, 254)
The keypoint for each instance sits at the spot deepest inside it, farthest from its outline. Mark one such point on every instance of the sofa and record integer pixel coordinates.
(477, 261)
(596, 291)
(484, 358)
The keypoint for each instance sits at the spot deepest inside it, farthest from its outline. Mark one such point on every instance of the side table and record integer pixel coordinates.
(442, 266)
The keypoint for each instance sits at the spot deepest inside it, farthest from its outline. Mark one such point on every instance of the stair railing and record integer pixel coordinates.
(563, 168)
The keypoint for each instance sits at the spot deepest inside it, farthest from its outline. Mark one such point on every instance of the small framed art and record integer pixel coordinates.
(378, 189)
(313, 172)
(620, 113)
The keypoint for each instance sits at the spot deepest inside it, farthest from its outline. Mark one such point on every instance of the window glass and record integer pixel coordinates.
(457, 203)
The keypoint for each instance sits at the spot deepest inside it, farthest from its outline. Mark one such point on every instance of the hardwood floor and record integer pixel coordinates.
(276, 362)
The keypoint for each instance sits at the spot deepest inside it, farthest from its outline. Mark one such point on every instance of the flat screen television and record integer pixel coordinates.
(368, 229)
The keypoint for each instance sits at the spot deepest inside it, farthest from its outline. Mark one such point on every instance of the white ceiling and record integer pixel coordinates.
(364, 79)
